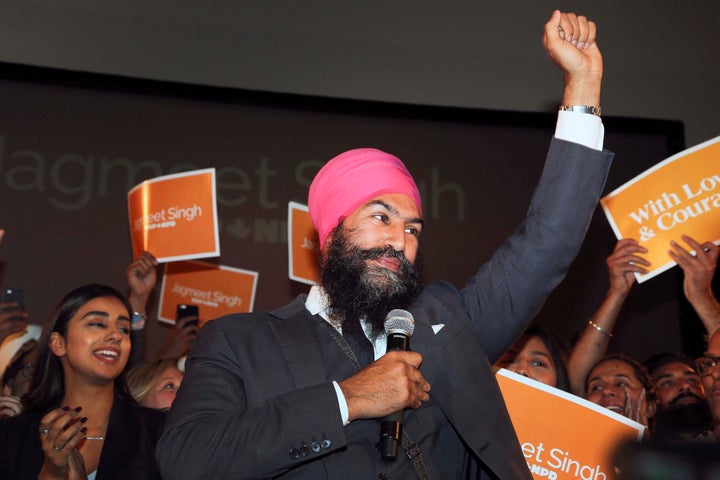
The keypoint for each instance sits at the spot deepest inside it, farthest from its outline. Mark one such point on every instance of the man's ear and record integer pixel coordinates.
(57, 344)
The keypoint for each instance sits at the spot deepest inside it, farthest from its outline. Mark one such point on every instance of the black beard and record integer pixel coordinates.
(356, 290)
(675, 420)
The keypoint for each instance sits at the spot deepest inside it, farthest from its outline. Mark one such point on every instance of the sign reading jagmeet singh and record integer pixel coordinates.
(564, 437)
(175, 216)
(216, 290)
(678, 196)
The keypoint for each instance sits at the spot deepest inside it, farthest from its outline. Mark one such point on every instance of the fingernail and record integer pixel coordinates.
(83, 420)
(83, 430)
(65, 409)
(77, 409)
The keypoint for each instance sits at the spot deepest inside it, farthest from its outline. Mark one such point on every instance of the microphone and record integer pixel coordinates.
(399, 327)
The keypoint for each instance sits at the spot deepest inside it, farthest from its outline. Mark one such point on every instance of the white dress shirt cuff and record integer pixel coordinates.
(582, 128)
(344, 414)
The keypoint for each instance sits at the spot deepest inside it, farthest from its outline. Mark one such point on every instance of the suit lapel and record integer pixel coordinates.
(294, 330)
(449, 374)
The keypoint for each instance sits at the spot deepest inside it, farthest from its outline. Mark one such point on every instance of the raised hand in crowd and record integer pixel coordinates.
(12, 320)
(179, 339)
(622, 265)
(699, 269)
(141, 278)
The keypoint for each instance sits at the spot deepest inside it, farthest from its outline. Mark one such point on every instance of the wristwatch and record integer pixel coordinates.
(589, 109)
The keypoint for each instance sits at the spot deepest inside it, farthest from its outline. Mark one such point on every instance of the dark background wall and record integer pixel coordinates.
(65, 216)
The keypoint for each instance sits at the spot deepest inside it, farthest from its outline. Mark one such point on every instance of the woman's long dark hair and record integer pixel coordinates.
(48, 383)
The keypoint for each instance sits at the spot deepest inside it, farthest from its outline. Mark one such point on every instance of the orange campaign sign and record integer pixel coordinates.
(303, 245)
(563, 436)
(174, 217)
(216, 290)
(680, 195)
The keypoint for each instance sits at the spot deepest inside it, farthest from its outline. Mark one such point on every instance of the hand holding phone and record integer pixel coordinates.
(12, 312)
(183, 311)
(12, 296)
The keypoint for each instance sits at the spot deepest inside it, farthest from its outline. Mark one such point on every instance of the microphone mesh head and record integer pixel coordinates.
(399, 321)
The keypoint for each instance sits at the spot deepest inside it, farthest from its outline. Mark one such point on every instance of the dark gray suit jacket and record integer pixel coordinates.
(257, 400)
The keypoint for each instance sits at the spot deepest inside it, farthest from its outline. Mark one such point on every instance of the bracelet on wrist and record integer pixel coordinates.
(599, 329)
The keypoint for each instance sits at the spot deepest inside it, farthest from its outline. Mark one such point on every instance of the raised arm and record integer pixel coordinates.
(141, 277)
(699, 270)
(622, 265)
(509, 290)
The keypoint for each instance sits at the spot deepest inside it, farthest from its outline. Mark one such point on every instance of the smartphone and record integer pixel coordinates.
(13, 295)
(185, 310)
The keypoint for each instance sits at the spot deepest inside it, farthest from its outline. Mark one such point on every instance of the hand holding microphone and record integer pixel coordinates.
(399, 327)
(387, 385)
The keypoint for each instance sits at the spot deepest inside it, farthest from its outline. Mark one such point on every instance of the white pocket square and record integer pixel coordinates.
(437, 327)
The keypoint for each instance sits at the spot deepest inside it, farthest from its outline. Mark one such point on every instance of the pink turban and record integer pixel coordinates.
(351, 179)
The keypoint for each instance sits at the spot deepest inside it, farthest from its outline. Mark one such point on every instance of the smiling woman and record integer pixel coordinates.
(619, 383)
(78, 408)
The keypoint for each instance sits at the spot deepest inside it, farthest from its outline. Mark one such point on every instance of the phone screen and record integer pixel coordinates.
(14, 295)
(184, 310)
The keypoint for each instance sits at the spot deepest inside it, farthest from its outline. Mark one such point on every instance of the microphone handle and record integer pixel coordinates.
(391, 426)
(390, 436)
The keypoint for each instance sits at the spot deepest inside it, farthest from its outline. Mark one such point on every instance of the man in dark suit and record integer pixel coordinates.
(287, 393)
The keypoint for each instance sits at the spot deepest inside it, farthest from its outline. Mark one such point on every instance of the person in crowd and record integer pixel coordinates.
(16, 377)
(78, 420)
(683, 413)
(707, 367)
(299, 391)
(539, 355)
(142, 278)
(154, 383)
(622, 385)
(623, 264)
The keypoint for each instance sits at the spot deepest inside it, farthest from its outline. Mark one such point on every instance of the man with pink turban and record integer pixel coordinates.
(301, 391)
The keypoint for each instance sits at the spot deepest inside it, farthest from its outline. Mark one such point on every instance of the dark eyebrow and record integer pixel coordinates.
(394, 211)
(541, 353)
(97, 313)
(615, 376)
(100, 313)
(663, 376)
